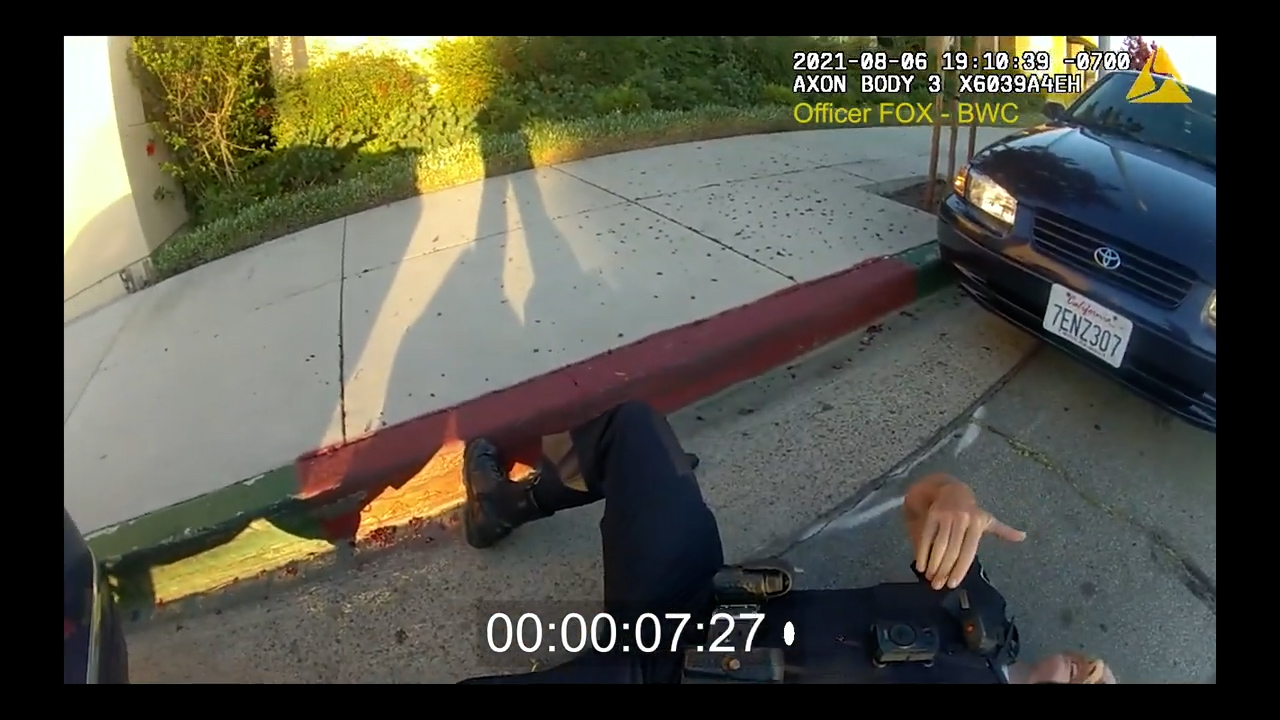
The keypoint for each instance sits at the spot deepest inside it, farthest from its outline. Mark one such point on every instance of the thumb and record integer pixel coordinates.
(1004, 532)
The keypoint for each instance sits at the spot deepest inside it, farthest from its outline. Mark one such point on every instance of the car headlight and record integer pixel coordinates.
(985, 194)
(1211, 309)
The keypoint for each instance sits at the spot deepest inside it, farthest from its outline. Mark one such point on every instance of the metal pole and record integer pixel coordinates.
(937, 46)
(1104, 44)
(954, 102)
(979, 46)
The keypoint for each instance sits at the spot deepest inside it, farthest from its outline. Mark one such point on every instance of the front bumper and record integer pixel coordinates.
(1162, 368)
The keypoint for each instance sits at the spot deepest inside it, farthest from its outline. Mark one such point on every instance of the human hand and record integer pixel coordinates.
(945, 525)
(1069, 668)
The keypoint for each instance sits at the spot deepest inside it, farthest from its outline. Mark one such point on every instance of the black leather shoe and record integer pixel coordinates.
(495, 505)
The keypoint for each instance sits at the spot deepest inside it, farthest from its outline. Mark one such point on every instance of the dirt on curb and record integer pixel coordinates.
(913, 195)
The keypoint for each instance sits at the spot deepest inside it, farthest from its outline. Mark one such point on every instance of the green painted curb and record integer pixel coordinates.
(932, 274)
(179, 550)
(180, 524)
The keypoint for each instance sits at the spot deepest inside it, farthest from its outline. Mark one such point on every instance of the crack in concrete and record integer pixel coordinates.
(1163, 549)
(342, 351)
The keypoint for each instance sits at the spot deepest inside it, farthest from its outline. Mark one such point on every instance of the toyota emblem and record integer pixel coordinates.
(1107, 258)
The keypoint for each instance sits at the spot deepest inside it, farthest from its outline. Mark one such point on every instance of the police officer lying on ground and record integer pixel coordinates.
(662, 555)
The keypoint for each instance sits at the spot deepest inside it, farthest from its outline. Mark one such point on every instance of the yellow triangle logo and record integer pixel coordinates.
(1169, 92)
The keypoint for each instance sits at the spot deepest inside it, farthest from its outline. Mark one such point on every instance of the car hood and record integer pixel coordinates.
(1148, 197)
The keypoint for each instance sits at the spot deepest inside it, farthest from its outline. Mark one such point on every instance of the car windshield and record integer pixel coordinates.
(1187, 129)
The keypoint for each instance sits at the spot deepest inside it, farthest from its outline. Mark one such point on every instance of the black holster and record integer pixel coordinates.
(728, 654)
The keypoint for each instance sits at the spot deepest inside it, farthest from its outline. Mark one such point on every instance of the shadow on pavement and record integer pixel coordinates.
(301, 518)
(491, 299)
(488, 294)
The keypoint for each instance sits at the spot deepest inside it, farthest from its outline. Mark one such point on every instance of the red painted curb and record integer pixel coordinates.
(670, 370)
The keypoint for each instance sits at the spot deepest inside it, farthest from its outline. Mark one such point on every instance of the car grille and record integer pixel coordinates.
(1155, 278)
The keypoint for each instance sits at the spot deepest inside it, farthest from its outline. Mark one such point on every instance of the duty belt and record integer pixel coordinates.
(891, 630)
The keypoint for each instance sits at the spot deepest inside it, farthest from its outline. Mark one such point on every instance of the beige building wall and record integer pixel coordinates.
(117, 205)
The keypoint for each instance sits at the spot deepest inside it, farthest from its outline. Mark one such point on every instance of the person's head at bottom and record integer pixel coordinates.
(1066, 668)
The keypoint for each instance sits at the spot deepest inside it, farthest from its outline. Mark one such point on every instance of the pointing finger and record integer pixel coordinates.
(1004, 532)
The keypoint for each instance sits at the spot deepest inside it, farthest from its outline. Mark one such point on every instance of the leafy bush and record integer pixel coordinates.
(285, 171)
(469, 71)
(209, 100)
(346, 101)
(422, 123)
(621, 99)
(779, 95)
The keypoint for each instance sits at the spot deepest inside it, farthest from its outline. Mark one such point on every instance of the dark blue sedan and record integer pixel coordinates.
(1097, 232)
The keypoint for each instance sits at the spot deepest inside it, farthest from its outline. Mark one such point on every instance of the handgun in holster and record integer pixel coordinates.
(740, 591)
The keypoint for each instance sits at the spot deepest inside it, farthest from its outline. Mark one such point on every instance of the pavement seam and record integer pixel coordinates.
(844, 167)
(1193, 577)
(472, 240)
(837, 168)
(677, 223)
(342, 357)
(723, 183)
(115, 338)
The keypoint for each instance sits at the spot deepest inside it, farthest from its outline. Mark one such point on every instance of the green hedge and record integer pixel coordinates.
(258, 160)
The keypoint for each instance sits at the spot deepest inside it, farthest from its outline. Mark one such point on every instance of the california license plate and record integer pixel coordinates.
(1098, 330)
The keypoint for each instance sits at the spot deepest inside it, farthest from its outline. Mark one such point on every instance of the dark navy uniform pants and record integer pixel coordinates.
(660, 541)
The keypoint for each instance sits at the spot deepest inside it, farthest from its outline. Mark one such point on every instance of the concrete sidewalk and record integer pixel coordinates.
(320, 339)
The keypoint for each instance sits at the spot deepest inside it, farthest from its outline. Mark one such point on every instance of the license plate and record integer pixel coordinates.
(1101, 331)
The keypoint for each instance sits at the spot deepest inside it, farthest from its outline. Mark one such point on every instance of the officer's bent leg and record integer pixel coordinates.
(660, 542)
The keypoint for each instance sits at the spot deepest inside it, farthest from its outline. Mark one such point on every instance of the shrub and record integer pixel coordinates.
(621, 99)
(282, 172)
(590, 60)
(553, 97)
(208, 98)
(345, 101)
(423, 123)
(468, 71)
(778, 95)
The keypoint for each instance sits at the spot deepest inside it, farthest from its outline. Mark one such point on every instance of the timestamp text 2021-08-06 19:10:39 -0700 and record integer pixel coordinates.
(988, 73)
